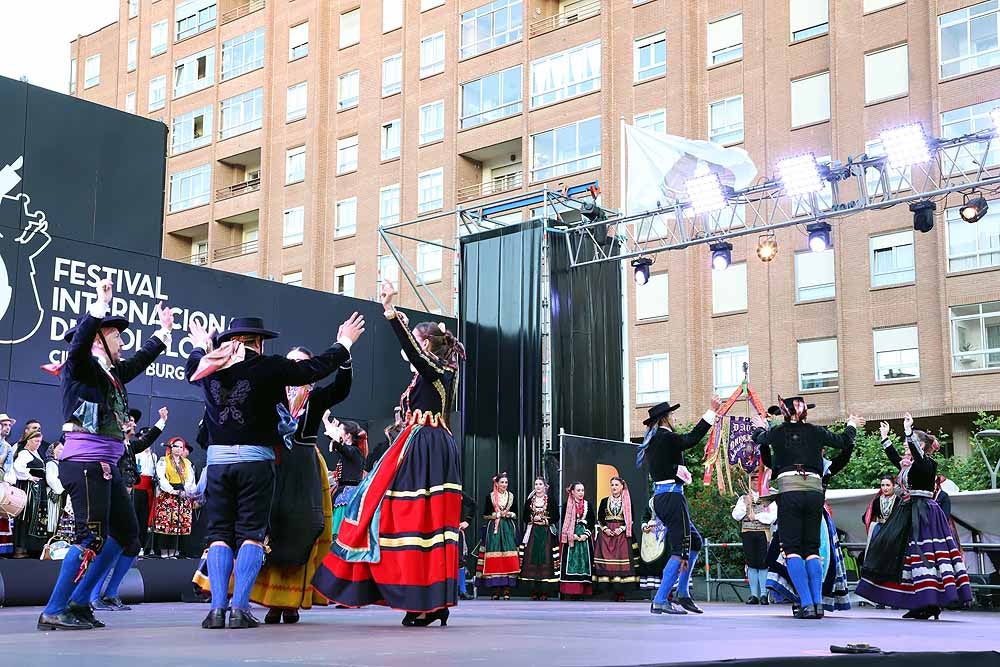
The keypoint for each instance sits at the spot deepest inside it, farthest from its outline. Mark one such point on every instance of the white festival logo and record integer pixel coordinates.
(36, 239)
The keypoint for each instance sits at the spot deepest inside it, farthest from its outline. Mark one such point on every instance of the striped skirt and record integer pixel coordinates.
(836, 596)
(498, 563)
(615, 561)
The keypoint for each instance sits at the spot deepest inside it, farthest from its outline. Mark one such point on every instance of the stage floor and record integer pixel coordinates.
(483, 632)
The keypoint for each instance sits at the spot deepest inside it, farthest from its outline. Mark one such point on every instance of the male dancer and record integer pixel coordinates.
(663, 450)
(95, 408)
(243, 389)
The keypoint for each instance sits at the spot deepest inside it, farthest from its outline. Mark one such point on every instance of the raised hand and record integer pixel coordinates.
(199, 336)
(860, 421)
(883, 429)
(104, 291)
(166, 317)
(716, 402)
(758, 422)
(388, 292)
(164, 413)
(908, 423)
(352, 328)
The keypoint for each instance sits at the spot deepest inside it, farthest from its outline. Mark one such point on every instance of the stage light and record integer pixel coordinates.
(641, 267)
(722, 255)
(905, 145)
(819, 236)
(705, 194)
(973, 208)
(767, 247)
(923, 215)
(800, 175)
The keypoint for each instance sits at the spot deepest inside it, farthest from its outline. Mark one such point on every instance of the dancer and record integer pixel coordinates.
(614, 549)
(794, 451)
(539, 548)
(913, 562)
(883, 505)
(31, 530)
(663, 450)
(398, 543)
(468, 516)
(755, 517)
(95, 408)
(174, 509)
(576, 578)
(243, 390)
(350, 442)
(498, 565)
(653, 551)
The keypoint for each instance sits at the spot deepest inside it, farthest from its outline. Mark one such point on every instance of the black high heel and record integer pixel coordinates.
(927, 613)
(439, 615)
(410, 619)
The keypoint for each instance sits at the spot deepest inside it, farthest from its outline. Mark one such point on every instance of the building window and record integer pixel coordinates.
(132, 53)
(294, 278)
(242, 113)
(388, 269)
(199, 252)
(649, 57)
(432, 55)
(133, 8)
(725, 40)
(492, 97)
(92, 71)
(814, 276)
(652, 379)
(975, 246)
(430, 190)
(191, 130)
(243, 54)
(567, 149)
(348, 90)
(566, 74)
(130, 102)
(392, 15)
(809, 18)
(729, 289)
(194, 17)
(654, 121)
(430, 4)
(968, 39)
(818, 364)
(727, 368)
(295, 165)
(72, 76)
(811, 100)
(429, 261)
(966, 120)
(298, 41)
(347, 154)
(388, 205)
(491, 26)
(725, 121)
(892, 259)
(432, 122)
(390, 139)
(157, 93)
(392, 75)
(887, 74)
(898, 178)
(346, 218)
(350, 28)
(975, 336)
(875, 5)
(651, 298)
(343, 280)
(190, 188)
(293, 226)
(295, 104)
(897, 355)
(158, 39)
(195, 72)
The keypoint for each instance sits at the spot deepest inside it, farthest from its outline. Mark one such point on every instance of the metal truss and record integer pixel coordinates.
(865, 183)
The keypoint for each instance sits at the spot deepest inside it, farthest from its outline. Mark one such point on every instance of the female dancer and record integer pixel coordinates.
(173, 508)
(614, 550)
(350, 441)
(883, 505)
(913, 562)
(498, 565)
(576, 579)
(398, 543)
(540, 558)
(31, 530)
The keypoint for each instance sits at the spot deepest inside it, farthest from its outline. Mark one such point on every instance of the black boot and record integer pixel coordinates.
(689, 605)
(273, 616)
(84, 613)
(216, 620)
(62, 621)
(240, 619)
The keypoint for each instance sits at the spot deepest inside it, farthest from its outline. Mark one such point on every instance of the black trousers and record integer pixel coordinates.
(799, 517)
(672, 510)
(140, 503)
(238, 501)
(101, 506)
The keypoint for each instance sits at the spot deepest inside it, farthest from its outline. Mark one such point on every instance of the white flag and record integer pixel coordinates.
(659, 165)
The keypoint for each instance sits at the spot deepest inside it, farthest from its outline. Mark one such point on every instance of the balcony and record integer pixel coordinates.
(253, 185)
(237, 250)
(197, 259)
(570, 14)
(504, 183)
(241, 11)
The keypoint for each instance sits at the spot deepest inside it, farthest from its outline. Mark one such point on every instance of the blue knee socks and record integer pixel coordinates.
(684, 581)
(800, 580)
(248, 563)
(220, 568)
(814, 570)
(64, 582)
(97, 571)
(670, 573)
(121, 568)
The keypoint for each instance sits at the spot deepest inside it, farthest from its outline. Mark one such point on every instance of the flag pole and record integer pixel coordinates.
(626, 361)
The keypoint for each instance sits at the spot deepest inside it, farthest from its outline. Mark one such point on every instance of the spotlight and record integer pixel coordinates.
(705, 194)
(641, 267)
(800, 175)
(905, 145)
(722, 255)
(819, 236)
(767, 247)
(923, 215)
(973, 208)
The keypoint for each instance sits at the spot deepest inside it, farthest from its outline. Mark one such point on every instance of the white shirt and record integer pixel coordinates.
(21, 461)
(766, 517)
(161, 474)
(146, 463)
(52, 477)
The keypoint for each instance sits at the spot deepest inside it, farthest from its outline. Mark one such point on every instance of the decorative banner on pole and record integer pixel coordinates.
(742, 451)
(720, 439)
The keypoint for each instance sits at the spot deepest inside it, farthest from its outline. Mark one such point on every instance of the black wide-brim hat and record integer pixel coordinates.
(135, 414)
(775, 411)
(115, 321)
(246, 326)
(657, 412)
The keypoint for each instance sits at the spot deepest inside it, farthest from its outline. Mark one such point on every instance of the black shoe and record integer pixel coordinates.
(656, 608)
(689, 605)
(795, 610)
(273, 617)
(240, 619)
(818, 611)
(84, 613)
(62, 621)
(115, 604)
(807, 612)
(290, 616)
(439, 615)
(753, 599)
(101, 605)
(410, 617)
(216, 620)
(764, 601)
(673, 609)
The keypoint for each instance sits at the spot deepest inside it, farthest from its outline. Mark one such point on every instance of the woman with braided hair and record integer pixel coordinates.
(577, 577)
(350, 441)
(498, 564)
(614, 549)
